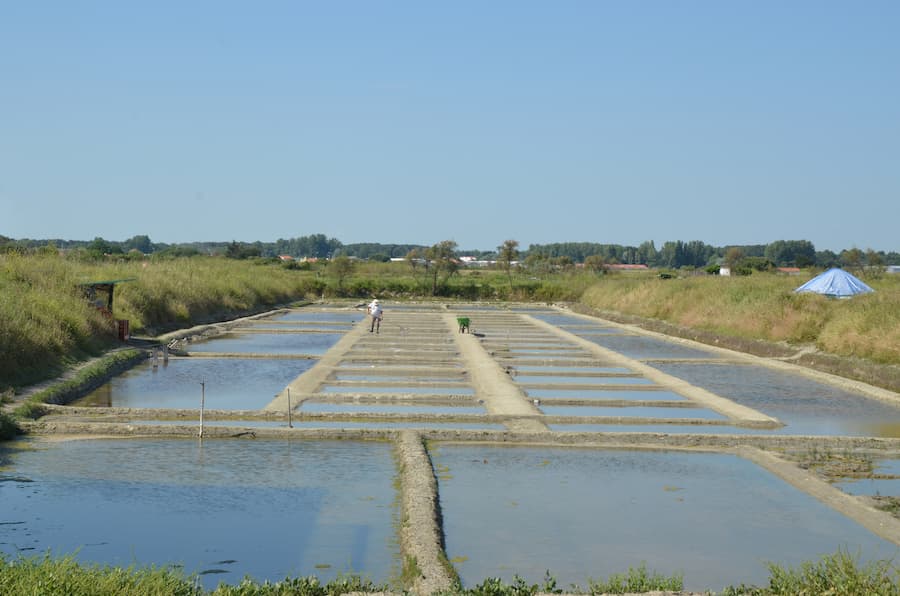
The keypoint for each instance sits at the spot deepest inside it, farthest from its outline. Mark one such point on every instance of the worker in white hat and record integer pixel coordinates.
(375, 311)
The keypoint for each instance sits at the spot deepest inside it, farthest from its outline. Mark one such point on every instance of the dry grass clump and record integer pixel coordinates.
(765, 307)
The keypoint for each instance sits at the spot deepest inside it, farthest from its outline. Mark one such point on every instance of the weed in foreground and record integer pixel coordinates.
(8, 427)
(838, 574)
(637, 580)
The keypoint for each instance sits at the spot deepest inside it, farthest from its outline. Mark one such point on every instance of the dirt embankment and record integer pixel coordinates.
(880, 375)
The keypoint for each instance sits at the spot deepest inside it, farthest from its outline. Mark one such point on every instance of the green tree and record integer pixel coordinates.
(141, 243)
(594, 263)
(441, 260)
(852, 259)
(791, 253)
(507, 254)
(413, 258)
(341, 267)
(733, 256)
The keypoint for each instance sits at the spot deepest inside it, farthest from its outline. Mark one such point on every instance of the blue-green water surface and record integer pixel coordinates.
(580, 513)
(224, 508)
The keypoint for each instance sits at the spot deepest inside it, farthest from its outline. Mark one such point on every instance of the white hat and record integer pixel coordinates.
(375, 301)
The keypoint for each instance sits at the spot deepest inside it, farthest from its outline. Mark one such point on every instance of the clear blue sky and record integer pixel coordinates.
(730, 122)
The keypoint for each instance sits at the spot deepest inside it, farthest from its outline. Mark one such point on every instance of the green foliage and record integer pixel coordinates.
(8, 427)
(791, 253)
(242, 250)
(44, 318)
(301, 586)
(637, 580)
(495, 586)
(839, 573)
(411, 571)
(91, 376)
(341, 268)
(65, 576)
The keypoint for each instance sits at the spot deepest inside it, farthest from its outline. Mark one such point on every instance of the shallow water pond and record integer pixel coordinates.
(546, 379)
(642, 347)
(268, 343)
(699, 429)
(572, 369)
(336, 316)
(393, 408)
(806, 406)
(605, 394)
(398, 389)
(222, 508)
(231, 384)
(631, 411)
(362, 376)
(582, 513)
(885, 487)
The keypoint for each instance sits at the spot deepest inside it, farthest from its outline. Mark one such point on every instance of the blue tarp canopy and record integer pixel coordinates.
(837, 283)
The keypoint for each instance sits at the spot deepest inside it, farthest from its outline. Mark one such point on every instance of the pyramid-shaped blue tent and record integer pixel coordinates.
(837, 283)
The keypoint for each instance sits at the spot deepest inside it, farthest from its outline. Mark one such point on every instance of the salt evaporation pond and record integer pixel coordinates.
(322, 407)
(231, 384)
(268, 343)
(222, 509)
(587, 514)
(806, 406)
(631, 412)
(605, 394)
(320, 316)
(566, 380)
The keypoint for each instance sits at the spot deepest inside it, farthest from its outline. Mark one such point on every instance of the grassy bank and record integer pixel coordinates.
(46, 324)
(87, 378)
(763, 307)
(832, 574)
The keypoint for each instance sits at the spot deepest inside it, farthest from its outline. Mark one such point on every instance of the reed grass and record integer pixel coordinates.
(764, 307)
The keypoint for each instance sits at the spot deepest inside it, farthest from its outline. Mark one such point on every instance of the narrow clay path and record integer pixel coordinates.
(500, 395)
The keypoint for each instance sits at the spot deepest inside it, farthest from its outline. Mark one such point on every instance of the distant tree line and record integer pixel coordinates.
(697, 254)
(672, 254)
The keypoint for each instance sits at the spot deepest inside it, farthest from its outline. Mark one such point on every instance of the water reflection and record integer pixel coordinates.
(716, 518)
(272, 508)
(804, 405)
(231, 384)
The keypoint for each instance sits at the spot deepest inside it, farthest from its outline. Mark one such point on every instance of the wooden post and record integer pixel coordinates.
(202, 404)
(290, 422)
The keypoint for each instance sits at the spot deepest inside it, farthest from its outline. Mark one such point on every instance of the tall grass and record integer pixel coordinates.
(764, 306)
(46, 323)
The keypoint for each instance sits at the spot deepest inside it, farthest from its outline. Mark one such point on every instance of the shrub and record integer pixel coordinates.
(8, 427)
